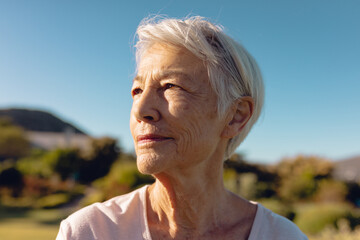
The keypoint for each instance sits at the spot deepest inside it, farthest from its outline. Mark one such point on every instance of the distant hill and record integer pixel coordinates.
(348, 169)
(38, 121)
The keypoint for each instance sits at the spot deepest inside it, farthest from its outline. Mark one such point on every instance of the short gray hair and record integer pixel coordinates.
(233, 72)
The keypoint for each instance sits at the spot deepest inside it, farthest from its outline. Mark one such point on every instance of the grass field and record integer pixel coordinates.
(342, 233)
(18, 224)
(26, 229)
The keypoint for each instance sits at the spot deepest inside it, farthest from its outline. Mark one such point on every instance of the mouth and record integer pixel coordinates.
(151, 138)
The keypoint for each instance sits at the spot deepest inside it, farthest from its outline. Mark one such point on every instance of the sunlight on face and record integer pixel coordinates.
(173, 120)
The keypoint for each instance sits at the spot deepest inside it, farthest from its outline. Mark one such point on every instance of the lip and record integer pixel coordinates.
(151, 138)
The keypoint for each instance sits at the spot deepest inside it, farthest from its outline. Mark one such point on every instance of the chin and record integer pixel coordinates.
(149, 165)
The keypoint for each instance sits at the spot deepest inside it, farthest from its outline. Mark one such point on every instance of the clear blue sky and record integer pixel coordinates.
(75, 58)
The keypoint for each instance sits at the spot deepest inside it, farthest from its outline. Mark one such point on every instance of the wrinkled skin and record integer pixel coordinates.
(173, 99)
(181, 141)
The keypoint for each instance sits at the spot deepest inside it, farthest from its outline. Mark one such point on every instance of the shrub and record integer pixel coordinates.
(35, 165)
(299, 176)
(314, 218)
(353, 193)
(331, 191)
(13, 142)
(231, 180)
(279, 207)
(343, 232)
(98, 162)
(53, 200)
(122, 178)
(125, 175)
(321, 168)
(11, 178)
(93, 197)
(297, 187)
(248, 185)
(65, 162)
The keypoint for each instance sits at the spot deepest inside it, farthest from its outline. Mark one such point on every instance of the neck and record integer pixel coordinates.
(188, 202)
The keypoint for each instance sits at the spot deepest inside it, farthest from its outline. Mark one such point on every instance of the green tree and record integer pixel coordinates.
(98, 161)
(249, 180)
(299, 176)
(71, 163)
(13, 142)
(65, 162)
(122, 178)
(12, 179)
(35, 164)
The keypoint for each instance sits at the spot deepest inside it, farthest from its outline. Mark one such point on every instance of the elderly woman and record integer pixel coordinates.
(196, 95)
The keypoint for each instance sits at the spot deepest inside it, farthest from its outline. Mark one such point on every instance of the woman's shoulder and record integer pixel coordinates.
(110, 217)
(269, 225)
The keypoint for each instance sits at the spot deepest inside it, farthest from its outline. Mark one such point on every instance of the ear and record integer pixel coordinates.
(240, 114)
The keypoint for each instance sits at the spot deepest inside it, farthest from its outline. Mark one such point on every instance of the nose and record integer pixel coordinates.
(146, 107)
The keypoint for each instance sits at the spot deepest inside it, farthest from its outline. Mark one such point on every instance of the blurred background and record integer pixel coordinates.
(66, 70)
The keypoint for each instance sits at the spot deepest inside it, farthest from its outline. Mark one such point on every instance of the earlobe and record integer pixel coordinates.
(239, 116)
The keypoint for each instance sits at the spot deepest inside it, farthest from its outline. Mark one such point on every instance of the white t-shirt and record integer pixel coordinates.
(124, 218)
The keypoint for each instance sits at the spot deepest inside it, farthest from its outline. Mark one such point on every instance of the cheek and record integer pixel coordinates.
(192, 127)
(181, 106)
(132, 123)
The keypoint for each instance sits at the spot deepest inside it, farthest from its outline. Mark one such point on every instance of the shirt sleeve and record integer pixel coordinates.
(64, 231)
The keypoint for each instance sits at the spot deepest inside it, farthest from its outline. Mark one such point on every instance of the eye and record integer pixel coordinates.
(169, 85)
(136, 91)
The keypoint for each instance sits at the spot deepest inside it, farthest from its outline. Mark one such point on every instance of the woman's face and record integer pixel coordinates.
(173, 119)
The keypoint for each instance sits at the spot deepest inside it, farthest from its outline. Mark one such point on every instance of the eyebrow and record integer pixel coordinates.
(165, 74)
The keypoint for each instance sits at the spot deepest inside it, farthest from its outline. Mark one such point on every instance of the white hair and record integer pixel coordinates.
(233, 72)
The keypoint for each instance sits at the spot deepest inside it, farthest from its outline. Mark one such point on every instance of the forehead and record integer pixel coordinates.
(166, 58)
